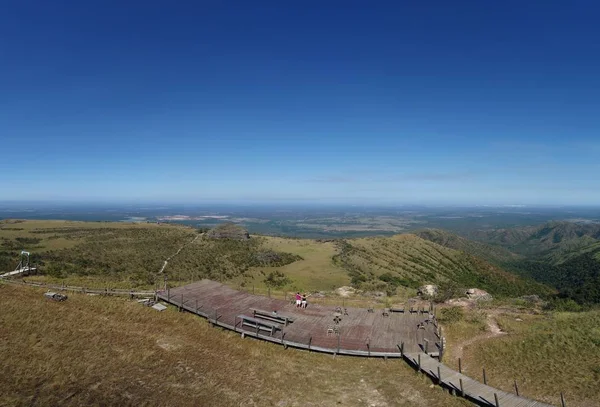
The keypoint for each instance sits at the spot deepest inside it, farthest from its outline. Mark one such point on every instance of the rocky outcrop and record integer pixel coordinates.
(228, 231)
(428, 290)
(476, 294)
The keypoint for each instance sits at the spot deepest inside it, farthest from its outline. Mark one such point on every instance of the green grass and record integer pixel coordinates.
(314, 272)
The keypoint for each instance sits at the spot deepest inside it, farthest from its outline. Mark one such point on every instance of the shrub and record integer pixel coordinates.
(451, 315)
(276, 279)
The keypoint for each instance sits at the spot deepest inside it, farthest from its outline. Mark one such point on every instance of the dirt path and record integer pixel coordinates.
(493, 330)
(175, 254)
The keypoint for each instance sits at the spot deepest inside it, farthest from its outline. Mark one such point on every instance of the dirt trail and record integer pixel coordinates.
(175, 254)
(493, 330)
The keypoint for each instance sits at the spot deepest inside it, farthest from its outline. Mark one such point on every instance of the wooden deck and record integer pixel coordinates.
(361, 333)
(466, 387)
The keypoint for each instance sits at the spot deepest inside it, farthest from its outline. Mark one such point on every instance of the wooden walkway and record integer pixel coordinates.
(361, 333)
(466, 387)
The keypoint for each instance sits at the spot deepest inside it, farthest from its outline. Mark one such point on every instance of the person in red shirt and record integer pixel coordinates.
(298, 299)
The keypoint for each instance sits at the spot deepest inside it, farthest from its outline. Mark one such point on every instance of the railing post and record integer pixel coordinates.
(439, 375)
(369, 349)
(309, 342)
(462, 389)
(562, 400)
(426, 346)
(516, 388)
(484, 377)
(419, 363)
(338, 346)
(459, 365)
(496, 399)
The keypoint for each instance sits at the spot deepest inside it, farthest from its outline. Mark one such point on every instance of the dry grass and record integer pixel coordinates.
(547, 353)
(107, 351)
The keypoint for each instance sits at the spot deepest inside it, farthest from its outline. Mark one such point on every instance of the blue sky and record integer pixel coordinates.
(331, 101)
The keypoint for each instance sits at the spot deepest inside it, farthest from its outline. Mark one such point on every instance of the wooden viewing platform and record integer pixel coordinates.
(361, 333)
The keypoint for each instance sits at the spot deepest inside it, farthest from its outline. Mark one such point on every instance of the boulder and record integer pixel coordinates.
(345, 291)
(428, 290)
(478, 295)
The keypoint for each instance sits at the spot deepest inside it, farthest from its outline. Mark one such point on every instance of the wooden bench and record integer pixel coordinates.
(269, 316)
(258, 324)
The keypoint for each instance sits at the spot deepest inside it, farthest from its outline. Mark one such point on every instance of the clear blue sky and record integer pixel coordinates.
(335, 101)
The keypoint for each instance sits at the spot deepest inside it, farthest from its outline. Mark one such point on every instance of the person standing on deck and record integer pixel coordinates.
(304, 300)
(298, 299)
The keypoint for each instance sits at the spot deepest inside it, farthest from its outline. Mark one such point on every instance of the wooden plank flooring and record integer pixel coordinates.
(361, 332)
(473, 390)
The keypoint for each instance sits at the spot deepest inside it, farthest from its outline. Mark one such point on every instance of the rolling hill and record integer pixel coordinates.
(409, 260)
(131, 255)
(565, 255)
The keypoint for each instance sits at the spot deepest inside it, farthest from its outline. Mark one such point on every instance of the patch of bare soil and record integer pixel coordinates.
(493, 330)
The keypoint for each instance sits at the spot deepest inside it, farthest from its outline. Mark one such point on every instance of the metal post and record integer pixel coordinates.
(369, 349)
(516, 388)
(402, 349)
(459, 366)
(338, 348)
(426, 346)
(309, 342)
(462, 390)
(419, 362)
(562, 400)
(439, 375)
(484, 377)
(496, 399)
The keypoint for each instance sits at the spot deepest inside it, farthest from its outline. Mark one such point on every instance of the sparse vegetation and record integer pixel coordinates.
(451, 315)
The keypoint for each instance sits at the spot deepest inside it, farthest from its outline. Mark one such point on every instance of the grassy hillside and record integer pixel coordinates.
(131, 255)
(493, 253)
(552, 241)
(108, 351)
(409, 261)
(546, 354)
(564, 255)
